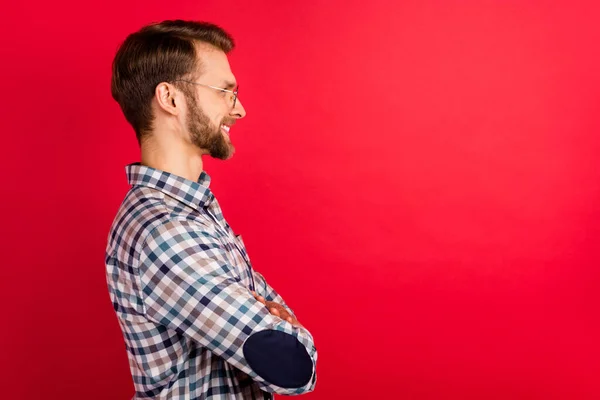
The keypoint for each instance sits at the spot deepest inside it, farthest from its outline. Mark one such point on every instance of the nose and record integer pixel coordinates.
(238, 111)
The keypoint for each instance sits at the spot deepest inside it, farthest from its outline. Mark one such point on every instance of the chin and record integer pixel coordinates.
(224, 156)
(229, 155)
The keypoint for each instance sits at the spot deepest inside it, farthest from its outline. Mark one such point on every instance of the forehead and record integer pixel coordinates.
(214, 66)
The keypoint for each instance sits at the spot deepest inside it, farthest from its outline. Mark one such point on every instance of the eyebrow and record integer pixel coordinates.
(229, 85)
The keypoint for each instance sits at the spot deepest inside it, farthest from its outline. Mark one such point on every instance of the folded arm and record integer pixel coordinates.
(188, 286)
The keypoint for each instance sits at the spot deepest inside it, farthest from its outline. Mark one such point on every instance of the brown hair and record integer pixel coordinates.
(160, 52)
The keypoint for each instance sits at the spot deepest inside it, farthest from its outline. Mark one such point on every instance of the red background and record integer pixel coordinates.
(419, 180)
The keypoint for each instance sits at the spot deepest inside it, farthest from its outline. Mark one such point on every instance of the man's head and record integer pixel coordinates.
(168, 76)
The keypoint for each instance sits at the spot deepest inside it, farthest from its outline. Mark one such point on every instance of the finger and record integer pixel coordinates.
(284, 314)
(275, 311)
(296, 323)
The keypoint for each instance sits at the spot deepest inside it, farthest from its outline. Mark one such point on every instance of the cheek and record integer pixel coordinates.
(216, 118)
(213, 112)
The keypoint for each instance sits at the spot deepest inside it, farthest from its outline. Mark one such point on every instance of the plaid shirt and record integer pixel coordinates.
(180, 281)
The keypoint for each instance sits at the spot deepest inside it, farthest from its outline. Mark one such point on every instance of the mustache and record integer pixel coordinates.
(228, 121)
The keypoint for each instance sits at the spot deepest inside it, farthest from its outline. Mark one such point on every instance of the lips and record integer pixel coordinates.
(225, 129)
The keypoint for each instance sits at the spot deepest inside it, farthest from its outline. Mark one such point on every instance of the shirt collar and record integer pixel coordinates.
(195, 194)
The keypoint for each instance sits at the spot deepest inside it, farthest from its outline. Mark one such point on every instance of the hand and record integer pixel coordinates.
(278, 310)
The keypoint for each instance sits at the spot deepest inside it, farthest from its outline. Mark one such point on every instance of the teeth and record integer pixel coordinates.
(225, 128)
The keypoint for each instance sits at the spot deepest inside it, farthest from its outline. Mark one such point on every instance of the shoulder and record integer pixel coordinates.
(147, 213)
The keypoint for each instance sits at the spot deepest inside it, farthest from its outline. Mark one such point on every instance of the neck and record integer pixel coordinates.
(176, 157)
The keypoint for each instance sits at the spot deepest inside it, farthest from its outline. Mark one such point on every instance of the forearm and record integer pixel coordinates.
(199, 295)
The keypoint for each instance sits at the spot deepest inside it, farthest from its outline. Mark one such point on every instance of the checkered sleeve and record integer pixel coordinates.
(187, 285)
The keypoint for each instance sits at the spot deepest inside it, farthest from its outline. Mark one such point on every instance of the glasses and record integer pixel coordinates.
(233, 94)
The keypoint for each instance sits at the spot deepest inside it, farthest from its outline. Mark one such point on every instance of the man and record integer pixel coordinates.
(198, 321)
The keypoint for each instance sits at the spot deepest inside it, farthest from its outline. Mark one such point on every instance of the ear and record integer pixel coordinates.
(168, 98)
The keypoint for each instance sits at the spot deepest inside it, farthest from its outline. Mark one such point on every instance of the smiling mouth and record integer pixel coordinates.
(225, 129)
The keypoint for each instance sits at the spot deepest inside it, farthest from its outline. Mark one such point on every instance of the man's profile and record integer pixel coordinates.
(198, 321)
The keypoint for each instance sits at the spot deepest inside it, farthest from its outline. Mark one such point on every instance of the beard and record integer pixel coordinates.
(204, 134)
